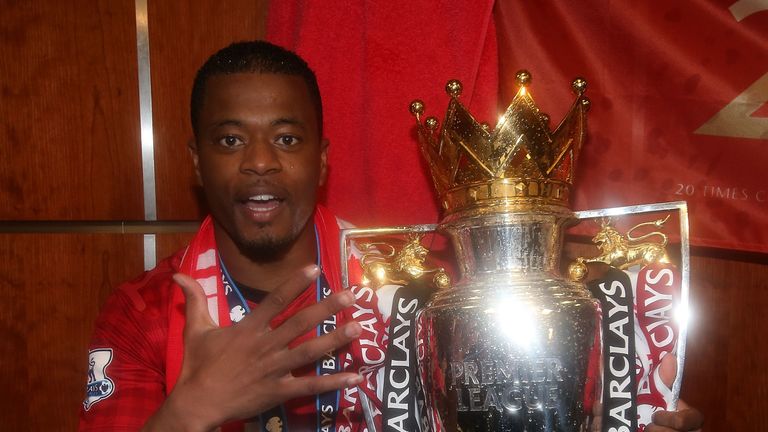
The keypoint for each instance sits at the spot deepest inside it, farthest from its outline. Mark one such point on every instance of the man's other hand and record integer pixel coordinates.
(685, 418)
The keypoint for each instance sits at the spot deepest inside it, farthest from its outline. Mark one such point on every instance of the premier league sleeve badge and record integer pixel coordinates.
(99, 386)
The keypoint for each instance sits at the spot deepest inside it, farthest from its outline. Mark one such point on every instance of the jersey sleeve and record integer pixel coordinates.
(126, 359)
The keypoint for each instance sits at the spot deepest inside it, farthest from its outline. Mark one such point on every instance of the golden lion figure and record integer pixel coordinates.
(624, 251)
(383, 265)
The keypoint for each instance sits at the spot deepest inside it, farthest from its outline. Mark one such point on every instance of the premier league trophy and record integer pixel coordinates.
(508, 346)
(513, 345)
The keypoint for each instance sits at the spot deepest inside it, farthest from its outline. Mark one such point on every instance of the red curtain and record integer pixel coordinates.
(372, 59)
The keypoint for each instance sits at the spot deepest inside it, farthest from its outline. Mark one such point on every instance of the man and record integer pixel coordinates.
(164, 355)
(260, 157)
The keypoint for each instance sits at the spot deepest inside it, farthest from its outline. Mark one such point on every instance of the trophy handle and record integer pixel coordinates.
(410, 268)
(393, 265)
(648, 252)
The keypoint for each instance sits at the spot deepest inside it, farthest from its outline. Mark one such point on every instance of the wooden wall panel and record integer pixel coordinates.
(51, 288)
(183, 34)
(168, 244)
(68, 110)
(726, 375)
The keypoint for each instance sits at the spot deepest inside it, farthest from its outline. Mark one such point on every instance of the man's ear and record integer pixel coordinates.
(323, 161)
(193, 151)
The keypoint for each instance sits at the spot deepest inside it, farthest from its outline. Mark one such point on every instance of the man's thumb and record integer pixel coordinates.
(198, 317)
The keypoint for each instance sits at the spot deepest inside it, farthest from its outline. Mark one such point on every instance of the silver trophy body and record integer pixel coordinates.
(507, 347)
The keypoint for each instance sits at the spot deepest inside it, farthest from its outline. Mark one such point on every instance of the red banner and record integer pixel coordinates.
(678, 92)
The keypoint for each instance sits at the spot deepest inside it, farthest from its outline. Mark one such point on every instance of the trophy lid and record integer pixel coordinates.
(517, 166)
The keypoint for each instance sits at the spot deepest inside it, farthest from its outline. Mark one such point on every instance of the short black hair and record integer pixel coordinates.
(254, 57)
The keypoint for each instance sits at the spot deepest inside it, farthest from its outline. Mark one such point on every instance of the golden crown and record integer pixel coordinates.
(518, 164)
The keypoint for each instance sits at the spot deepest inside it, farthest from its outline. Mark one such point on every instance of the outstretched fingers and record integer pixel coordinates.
(308, 318)
(313, 349)
(281, 297)
(312, 385)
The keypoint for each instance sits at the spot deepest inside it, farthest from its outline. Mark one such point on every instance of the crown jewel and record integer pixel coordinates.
(517, 164)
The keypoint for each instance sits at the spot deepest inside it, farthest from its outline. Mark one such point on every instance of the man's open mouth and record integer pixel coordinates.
(263, 202)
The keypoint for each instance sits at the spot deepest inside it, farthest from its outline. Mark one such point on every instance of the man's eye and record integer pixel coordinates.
(230, 141)
(288, 140)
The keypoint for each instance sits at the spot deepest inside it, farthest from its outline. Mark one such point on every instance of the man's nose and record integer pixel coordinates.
(260, 158)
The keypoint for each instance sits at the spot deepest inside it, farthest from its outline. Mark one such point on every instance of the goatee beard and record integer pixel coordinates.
(265, 250)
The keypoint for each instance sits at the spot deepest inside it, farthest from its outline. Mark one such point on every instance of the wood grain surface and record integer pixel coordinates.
(69, 110)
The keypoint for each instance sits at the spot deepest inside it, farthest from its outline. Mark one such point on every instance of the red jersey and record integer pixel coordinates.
(129, 348)
(134, 356)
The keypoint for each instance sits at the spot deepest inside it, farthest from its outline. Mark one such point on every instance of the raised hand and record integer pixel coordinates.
(240, 371)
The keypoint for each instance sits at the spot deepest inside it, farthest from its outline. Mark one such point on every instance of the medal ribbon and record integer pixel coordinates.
(326, 404)
(619, 397)
(402, 393)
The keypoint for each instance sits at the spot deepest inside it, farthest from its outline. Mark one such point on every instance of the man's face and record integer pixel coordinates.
(260, 159)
